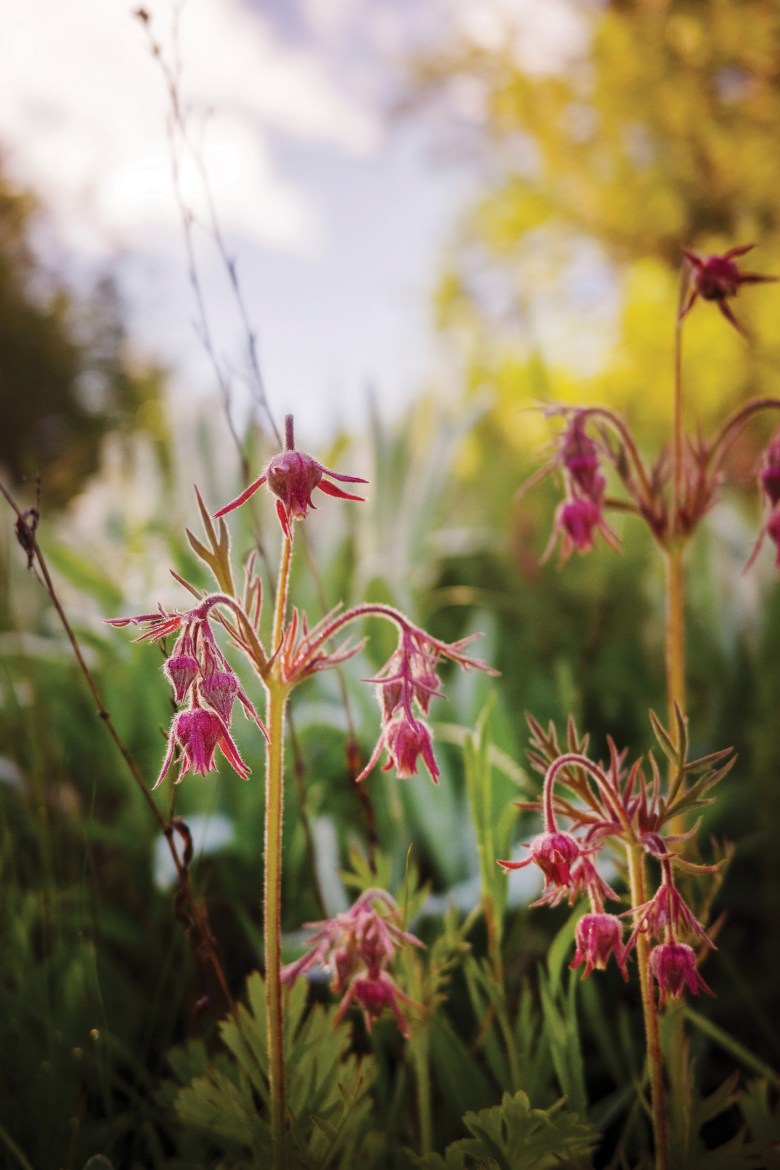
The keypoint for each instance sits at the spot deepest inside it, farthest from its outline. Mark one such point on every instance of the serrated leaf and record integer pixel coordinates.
(517, 1137)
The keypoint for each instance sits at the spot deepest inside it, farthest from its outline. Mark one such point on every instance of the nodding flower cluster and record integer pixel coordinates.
(673, 494)
(405, 686)
(616, 807)
(580, 515)
(202, 678)
(357, 948)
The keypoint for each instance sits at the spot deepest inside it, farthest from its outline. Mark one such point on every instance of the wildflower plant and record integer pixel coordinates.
(206, 686)
(638, 816)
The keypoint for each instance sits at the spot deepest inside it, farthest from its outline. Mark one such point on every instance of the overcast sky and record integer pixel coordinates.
(336, 211)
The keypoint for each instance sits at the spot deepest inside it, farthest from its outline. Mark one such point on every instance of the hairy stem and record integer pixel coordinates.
(636, 873)
(272, 916)
(278, 692)
(675, 632)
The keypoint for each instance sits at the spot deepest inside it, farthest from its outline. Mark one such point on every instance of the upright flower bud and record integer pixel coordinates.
(718, 278)
(292, 476)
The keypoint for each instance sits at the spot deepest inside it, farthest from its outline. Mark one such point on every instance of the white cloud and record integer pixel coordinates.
(542, 36)
(84, 110)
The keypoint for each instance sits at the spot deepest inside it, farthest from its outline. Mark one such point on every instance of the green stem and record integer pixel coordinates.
(274, 805)
(422, 1071)
(675, 632)
(278, 692)
(636, 873)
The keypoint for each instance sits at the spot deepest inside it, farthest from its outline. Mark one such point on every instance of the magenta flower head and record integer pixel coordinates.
(198, 733)
(374, 993)
(357, 947)
(405, 739)
(577, 521)
(555, 853)
(773, 532)
(598, 936)
(674, 968)
(181, 670)
(292, 476)
(769, 476)
(219, 689)
(718, 278)
(580, 459)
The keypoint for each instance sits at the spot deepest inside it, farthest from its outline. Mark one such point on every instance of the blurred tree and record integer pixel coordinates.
(67, 377)
(657, 129)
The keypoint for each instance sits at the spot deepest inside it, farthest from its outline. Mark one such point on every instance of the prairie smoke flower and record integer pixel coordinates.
(198, 671)
(374, 993)
(357, 947)
(773, 532)
(405, 686)
(577, 521)
(555, 853)
(292, 476)
(718, 278)
(198, 733)
(667, 911)
(598, 936)
(674, 968)
(404, 739)
(579, 457)
(219, 689)
(769, 476)
(181, 670)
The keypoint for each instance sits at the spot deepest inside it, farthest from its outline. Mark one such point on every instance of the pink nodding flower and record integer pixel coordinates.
(667, 910)
(219, 689)
(769, 476)
(292, 476)
(405, 739)
(198, 733)
(598, 936)
(357, 947)
(580, 459)
(773, 532)
(577, 521)
(674, 968)
(374, 993)
(181, 670)
(718, 278)
(555, 854)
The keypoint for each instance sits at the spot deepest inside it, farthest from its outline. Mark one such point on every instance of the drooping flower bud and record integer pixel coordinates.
(674, 968)
(181, 670)
(769, 476)
(219, 689)
(406, 740)
(598, 936)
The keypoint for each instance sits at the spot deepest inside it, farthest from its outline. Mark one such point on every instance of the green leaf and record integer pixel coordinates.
(514, 1136)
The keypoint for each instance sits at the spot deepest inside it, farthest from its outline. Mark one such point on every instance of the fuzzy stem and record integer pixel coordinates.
(636, 873)
(675, 632)
(282, 590)
(278, 692)
(274, 804)
(677, 423)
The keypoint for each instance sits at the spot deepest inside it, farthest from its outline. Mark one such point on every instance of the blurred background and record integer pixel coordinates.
(430, 219)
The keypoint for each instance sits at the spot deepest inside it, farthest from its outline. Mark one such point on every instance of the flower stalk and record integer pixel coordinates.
(272, 912)
(655, 1063)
